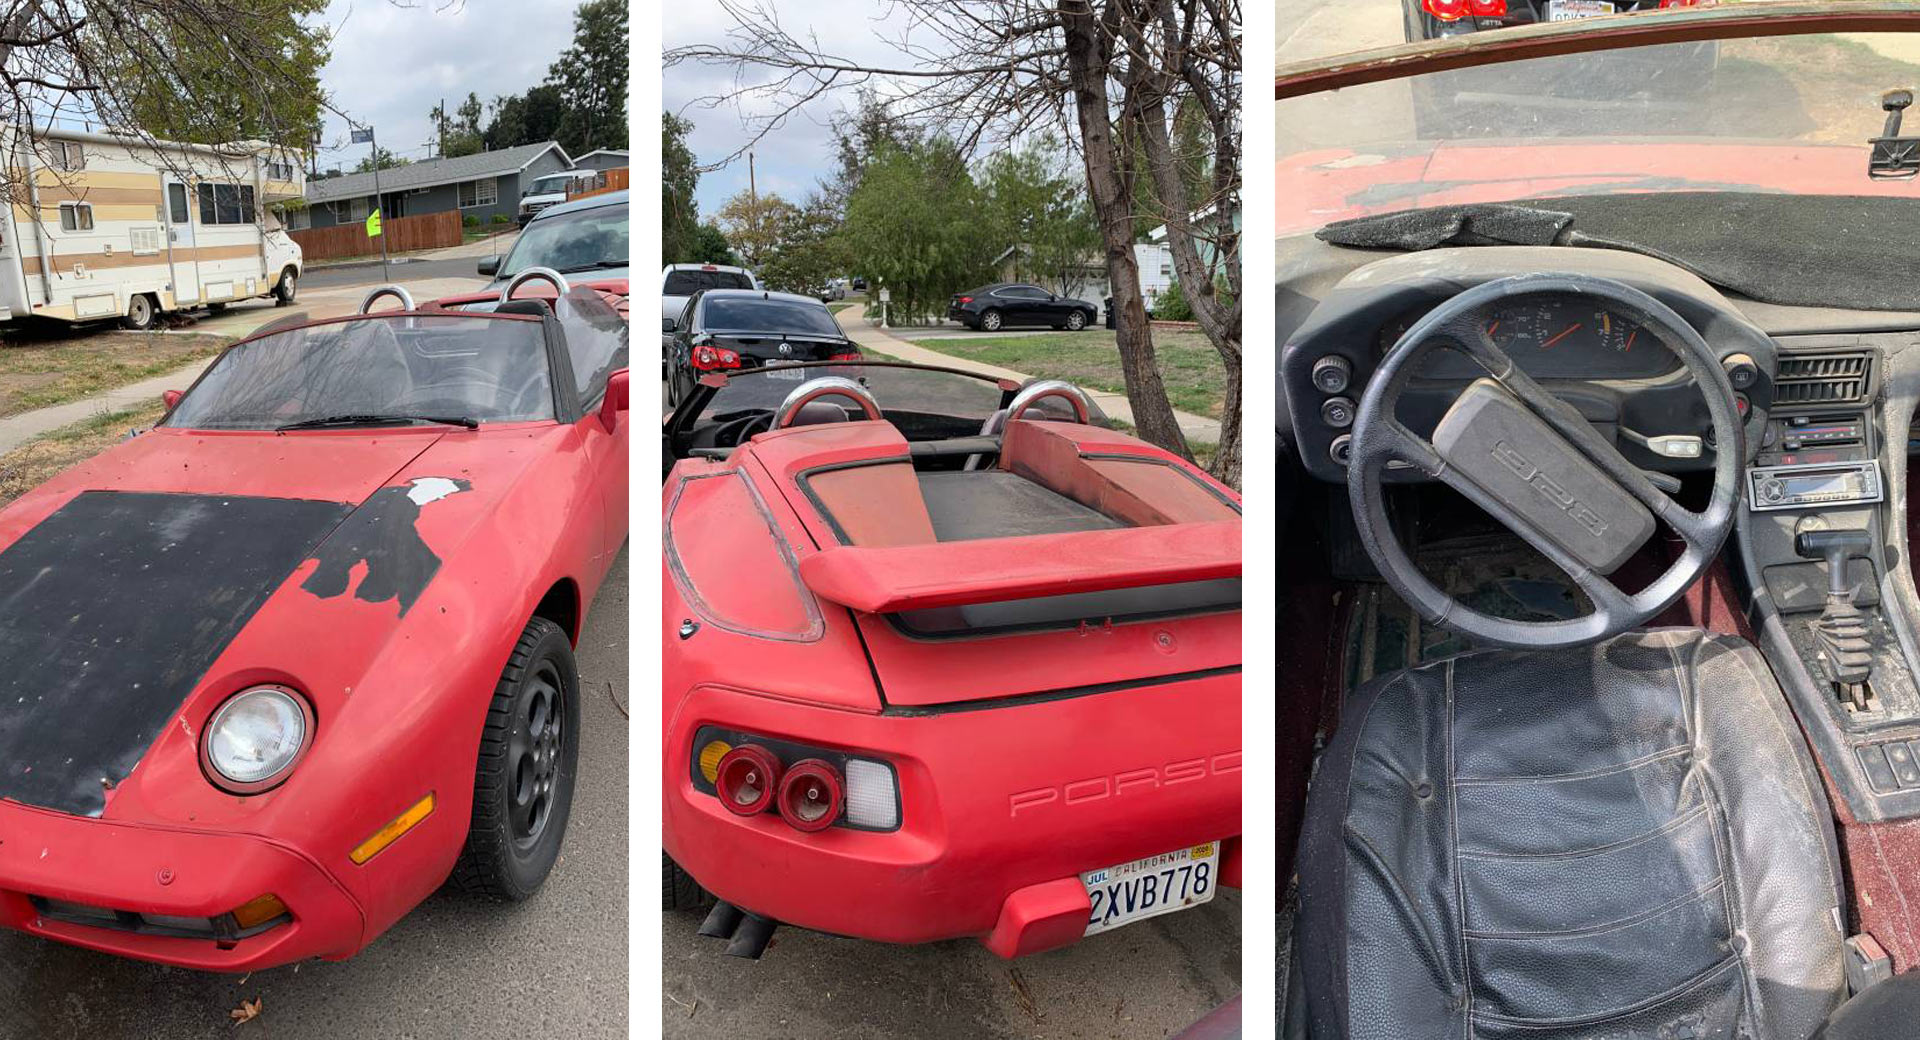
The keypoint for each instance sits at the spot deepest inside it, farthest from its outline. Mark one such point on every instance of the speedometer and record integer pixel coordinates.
(1556, 337)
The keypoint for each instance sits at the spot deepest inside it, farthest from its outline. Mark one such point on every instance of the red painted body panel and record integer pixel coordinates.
(399, 700)
(1313, 189)
(1111, 744)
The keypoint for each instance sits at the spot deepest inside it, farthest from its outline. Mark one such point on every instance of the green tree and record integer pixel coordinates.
(592, 79)
(1037, 208)
(211, 71)
(860, 135)
(918, 225)
(679, 177)
(381, 159)
(810, 250)
(459, 134)
(528, 118)
(710, 247)
(756, 225)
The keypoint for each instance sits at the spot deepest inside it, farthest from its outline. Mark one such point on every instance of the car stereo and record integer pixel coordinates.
(1815, 484)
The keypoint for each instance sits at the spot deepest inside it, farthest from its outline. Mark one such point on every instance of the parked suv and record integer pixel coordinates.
(993, 307)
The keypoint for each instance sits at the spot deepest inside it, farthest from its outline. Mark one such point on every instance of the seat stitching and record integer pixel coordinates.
(1676, 751)
(1459, 885)
(1604, 1017)
(1602, 929)
(1373, 858)
(1666, 828)
(1723, 828)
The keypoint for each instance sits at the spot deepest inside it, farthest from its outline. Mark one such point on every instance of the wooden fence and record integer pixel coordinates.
(403, 234)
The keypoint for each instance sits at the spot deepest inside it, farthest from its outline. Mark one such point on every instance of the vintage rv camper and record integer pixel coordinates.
(105, 225)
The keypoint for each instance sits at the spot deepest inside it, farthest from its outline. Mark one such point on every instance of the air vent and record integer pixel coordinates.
(1822, 378)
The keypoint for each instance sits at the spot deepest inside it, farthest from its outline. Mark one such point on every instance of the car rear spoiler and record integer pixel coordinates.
(887, 580)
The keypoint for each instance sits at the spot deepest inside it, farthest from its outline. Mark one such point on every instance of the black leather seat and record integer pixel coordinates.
(1623, 840)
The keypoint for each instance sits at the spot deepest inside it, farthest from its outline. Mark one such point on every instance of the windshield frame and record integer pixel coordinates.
(681, 425)
(566, 408)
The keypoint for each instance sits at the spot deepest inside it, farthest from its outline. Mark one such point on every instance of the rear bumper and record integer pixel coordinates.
(153, 870)
(1002, 809)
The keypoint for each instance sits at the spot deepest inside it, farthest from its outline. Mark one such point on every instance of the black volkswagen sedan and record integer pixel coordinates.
(993, 307)
(732, 329)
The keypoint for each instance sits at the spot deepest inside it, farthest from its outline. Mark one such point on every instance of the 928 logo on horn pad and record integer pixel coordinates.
(1509, 456)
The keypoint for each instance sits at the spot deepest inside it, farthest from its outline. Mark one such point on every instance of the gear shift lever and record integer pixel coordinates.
(1842, 628)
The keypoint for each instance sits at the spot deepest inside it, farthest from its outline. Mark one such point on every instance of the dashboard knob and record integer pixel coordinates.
(1341, 450)
(1332, 374)
(1337, 412)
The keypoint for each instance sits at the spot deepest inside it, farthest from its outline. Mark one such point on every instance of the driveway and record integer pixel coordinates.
(403, 271)
(555, 965)
(1151, 979)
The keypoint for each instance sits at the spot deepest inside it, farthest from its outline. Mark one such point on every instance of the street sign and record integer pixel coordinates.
(373, 224)
(361, 136)
(886, 296)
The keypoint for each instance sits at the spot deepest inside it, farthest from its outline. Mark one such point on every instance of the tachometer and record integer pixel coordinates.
(1556, 337)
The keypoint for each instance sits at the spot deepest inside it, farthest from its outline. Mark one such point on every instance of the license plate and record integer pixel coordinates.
(1152, 886)
(1570, 10)
(786, 372)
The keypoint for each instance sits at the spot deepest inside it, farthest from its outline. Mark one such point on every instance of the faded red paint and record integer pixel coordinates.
(1003, 805)
(399, 701)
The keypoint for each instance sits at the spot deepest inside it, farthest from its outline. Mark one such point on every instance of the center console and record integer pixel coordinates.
(1819, 537)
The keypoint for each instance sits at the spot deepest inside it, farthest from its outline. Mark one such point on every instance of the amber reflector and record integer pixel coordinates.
(391, 833)
(259, 910)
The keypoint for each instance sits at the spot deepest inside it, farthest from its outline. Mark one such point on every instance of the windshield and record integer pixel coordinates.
(551, 184)
(925, 404)
(583, 240)
(479, 368)
(764, 314)
(1788, 114)
(686, 283)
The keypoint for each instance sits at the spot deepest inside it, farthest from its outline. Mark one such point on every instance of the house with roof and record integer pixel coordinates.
(479, 185)
(602, 159)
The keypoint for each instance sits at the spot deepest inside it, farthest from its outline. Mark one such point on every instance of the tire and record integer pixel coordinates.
(678, 889)
(216, 308)
(286, 288)
(990, 321)
(1076, 321)
(141, 313)
(531, 744)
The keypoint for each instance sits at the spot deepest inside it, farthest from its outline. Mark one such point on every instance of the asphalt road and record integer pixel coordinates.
(369, 274)
(554, 966)
(1150, 979)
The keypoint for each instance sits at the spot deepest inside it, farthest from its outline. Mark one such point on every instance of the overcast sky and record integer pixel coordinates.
(392, 64)
(791, 160)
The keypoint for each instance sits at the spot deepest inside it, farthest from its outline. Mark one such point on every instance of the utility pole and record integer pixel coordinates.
(753, 207)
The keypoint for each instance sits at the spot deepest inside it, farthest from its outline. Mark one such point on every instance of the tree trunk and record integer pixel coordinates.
(1088, 57)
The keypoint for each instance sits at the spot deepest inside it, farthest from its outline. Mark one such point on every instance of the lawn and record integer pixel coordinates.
(30, 465)
(38, 373)
(1196, 380)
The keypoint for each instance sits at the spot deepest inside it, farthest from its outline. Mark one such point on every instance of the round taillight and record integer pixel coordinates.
(811, 795)
(747, 779)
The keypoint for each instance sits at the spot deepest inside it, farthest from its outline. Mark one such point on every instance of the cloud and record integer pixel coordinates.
(392, 64)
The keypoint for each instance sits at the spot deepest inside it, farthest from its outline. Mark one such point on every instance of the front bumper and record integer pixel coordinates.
(174, 872)
(1002, 809)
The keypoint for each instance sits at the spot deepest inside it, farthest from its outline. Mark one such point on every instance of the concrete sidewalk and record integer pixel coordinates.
(239, 322)
(1198, 429)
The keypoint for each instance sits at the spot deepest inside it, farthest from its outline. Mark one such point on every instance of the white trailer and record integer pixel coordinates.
(105, 225)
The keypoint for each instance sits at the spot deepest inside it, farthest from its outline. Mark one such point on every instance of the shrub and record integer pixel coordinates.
(470, 221)
(1171, 304)
(502, 218)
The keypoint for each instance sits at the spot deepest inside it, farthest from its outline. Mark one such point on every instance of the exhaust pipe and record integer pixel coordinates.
(747, 934)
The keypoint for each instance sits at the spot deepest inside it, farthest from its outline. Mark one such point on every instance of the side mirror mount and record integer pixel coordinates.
(666, 325)
(491, 265)
(615, 400)
(171, 398)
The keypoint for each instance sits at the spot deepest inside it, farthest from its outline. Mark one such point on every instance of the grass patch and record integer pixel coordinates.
(41, 373)
(1195, 377)
(35, 462)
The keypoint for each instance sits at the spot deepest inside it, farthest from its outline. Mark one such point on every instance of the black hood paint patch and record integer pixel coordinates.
(385, 533)
(111, 611)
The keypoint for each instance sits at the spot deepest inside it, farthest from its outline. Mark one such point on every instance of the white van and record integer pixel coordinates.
(118, 227)
(551, 190)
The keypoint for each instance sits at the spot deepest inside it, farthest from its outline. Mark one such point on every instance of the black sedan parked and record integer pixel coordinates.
(1003, 304)
(732, 329)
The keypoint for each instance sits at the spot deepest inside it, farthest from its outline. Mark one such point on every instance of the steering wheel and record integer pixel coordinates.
(1534, 464)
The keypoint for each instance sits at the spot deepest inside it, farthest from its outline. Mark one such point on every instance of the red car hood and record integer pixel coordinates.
(140, 588)
(1316, 188)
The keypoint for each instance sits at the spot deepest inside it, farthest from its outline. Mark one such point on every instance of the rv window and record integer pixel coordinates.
(177, 203)
(279, 171)
(226, 204)
(68, 155)
(76, 216)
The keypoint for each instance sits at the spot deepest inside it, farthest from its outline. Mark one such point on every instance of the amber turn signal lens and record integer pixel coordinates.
(259, 910)
(391, 833)
(710, 759)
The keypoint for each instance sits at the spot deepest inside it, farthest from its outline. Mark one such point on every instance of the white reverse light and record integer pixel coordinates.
(871, 799)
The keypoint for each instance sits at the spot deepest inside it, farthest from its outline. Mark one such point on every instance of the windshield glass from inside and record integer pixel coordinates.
(767, 315)
(469, 367)
(1786, 114)
(592, 239)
